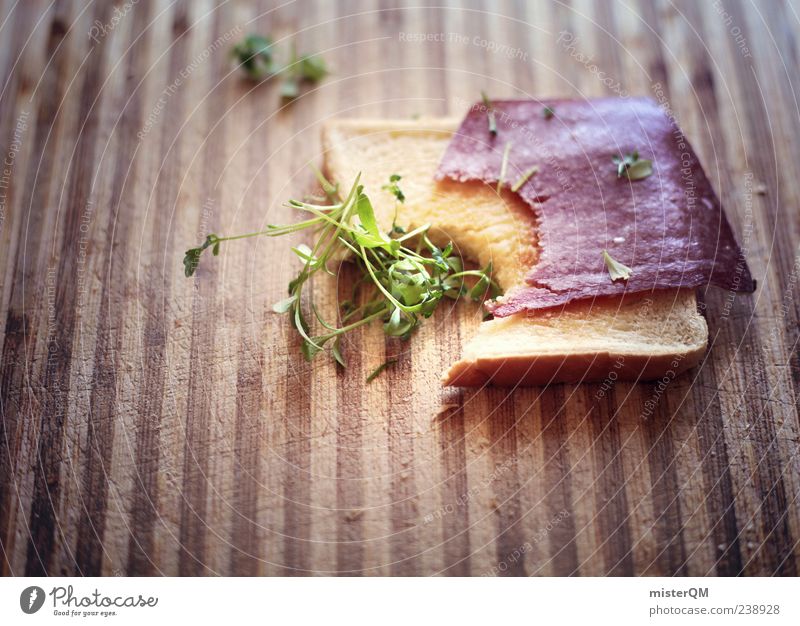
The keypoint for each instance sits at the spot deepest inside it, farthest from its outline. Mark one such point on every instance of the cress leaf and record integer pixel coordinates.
(191, 260)
(192, 256)
(632, 167)
(283, 306)
(616, 270)
(640, 169)
(479, 288)
(367, 216)
(312, 68)
(394, 188)
(336, 351)
(399, 325)
(255, 56)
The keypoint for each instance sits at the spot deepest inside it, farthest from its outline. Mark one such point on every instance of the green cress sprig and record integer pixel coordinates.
(632, 167)
(399, 284)
(255, 54)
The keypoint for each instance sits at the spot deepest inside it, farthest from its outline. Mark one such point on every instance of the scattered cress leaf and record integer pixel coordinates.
(190, 261)
(306, 68)
(192, 256)
(367, 215)
(632, 167)
(312, 68)
(640, 170)
(616, 270)
(283, 306)
(255, 54)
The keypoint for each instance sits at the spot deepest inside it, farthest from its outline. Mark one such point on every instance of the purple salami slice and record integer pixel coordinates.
(662, 220)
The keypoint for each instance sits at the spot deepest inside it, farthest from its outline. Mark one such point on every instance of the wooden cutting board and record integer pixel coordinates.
(154, 424)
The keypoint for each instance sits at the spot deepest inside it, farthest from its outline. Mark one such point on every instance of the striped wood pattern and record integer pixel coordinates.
(157, 425)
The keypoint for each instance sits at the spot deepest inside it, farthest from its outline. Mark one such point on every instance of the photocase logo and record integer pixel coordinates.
(31, 599)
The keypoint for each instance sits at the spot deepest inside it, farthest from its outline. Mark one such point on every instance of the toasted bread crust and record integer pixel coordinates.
(535, 370)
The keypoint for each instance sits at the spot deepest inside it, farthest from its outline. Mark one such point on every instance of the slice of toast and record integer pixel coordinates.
(640, 336)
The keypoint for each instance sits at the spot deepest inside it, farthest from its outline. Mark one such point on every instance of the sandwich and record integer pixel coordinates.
(597, 219)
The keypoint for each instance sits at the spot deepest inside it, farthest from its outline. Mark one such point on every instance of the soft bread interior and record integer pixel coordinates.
(640, 336)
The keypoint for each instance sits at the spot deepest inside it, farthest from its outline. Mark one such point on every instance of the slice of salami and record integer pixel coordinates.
(668, 228)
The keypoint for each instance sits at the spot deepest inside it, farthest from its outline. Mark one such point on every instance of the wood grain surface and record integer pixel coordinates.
(153, 424)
